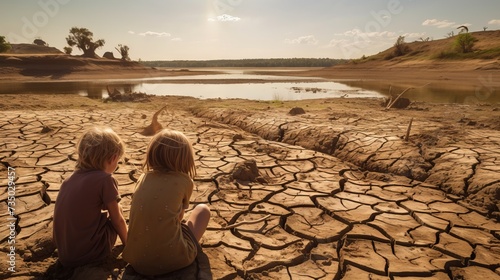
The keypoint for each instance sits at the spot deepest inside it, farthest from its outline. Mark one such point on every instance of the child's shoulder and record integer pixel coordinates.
(94, 173)
(170, 175)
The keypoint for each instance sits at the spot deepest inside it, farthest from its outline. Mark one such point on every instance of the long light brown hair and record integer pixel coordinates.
(96, 146)
(170, 150)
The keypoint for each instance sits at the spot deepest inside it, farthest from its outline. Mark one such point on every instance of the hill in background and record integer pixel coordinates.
(32, 49)
(35, 61)
(486, 47)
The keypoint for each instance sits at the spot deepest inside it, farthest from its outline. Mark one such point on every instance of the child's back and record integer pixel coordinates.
(158, 240)
(81, 230)
(157, 243)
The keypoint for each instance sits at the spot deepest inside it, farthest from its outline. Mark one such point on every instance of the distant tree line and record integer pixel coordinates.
(260, 62)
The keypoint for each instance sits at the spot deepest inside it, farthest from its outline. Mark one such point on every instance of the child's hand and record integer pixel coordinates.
(117, 220)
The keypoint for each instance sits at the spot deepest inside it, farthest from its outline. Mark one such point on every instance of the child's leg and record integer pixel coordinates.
(198, 220)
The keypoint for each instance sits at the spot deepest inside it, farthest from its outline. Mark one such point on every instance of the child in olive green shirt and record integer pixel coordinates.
(158, 241)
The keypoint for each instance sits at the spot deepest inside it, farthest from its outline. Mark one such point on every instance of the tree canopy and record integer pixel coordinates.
(4, 45)
(82, 39)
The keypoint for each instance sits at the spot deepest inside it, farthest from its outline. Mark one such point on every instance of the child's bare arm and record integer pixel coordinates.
(117, 220)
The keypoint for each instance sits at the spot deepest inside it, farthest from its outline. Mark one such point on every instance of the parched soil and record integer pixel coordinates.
(334, 193)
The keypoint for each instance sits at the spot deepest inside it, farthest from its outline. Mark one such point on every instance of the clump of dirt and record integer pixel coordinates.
(237, 137)
(116, 96)
(46, 129)
(296, 111)
(424, 139)
(247, 171)
(400, 103)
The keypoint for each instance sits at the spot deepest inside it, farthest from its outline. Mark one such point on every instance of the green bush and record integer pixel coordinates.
(68, 50)
(464, 42)
(4, 45)
(401, 47)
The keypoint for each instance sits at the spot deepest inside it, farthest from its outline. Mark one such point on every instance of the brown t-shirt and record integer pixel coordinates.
(156, 242)
(82, 232)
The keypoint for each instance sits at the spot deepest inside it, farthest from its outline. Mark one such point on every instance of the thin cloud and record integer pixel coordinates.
(438, 23)
(358, 33)
(494, 21)
(155, 34)
(338, 42)
(224, 17)
(176, 39)
(303, 40)
(131, 32)
(414, 35)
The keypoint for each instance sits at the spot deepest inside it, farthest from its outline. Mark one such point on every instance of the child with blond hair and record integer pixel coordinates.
(87, 214)
(158, 240)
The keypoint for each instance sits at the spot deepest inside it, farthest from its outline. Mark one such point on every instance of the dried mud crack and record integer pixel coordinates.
(342, 198)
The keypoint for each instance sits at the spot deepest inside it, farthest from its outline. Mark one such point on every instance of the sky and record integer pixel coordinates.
(242, 29)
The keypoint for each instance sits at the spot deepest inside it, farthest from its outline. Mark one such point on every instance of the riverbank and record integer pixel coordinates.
(60, 67)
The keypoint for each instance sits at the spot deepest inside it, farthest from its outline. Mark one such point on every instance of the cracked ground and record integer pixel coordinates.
(339, 195)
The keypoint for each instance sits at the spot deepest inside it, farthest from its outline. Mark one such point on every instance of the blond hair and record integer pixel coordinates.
(96, 146)
(170, 150)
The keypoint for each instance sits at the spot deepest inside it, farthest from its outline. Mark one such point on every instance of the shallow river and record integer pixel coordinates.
(232, 83)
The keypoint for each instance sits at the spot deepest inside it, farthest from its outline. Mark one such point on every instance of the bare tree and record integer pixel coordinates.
(123, 50)
(463, 29)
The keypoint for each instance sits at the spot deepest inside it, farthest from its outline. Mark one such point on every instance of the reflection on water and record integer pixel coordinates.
(268, 90)
(89, 89)
(435, 93)
(258, 91)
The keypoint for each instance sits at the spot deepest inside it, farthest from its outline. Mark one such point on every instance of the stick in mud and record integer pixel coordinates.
(389, 106)
(408, 130)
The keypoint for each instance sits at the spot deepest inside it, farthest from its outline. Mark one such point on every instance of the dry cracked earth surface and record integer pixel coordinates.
(335, 193)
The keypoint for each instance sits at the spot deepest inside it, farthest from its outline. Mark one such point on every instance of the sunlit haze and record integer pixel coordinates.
(234, 29)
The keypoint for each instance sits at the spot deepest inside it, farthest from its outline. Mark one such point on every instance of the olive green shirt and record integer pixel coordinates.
(156, 243)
